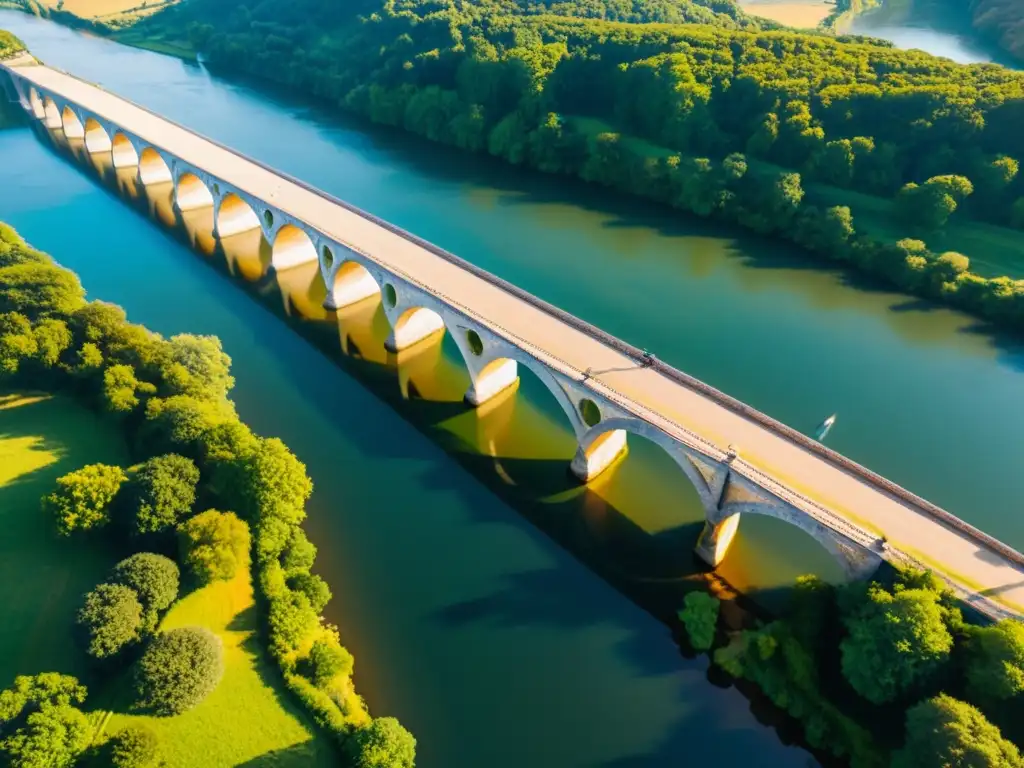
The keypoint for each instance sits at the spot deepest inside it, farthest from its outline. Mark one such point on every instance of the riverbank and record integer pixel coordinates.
(55, 341)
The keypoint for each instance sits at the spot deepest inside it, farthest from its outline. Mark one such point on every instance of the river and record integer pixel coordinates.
(930, 27)
(490, 641)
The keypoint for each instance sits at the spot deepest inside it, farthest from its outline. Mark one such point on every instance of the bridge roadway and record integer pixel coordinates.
(858, 506)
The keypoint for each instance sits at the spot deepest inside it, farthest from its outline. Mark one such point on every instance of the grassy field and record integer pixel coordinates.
(42, 577)
(801, 14)
(249, 719)
(993, 251)
(105, 10)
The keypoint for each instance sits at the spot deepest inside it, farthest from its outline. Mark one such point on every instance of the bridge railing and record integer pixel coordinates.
(721, 398)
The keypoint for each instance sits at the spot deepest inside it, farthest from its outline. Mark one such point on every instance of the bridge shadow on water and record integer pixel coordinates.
(515, 447)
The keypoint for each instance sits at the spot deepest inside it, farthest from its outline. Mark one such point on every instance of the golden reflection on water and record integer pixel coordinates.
(641, 518)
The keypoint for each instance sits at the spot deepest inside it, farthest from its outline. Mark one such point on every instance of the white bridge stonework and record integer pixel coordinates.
(600, 415)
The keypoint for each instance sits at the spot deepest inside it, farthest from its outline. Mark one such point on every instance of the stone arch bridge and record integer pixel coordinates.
(607, 389)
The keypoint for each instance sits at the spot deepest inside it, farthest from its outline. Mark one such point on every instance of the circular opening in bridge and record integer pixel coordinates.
(269, 218)
(590, 412)
(390, 295)
(476, 344)
(328, 257)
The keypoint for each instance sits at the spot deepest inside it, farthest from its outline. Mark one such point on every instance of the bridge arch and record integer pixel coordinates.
(603, 441)
(348, 281)
(51, 114)
(73, 128)
(410, 325)
(96, 137)
(191, 193)
(856, 560)
(234, 216)
(123, 151)
(35, 102)
(291, 247)
(153, 169)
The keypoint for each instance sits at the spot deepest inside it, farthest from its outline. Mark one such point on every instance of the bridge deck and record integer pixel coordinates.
(829, 492)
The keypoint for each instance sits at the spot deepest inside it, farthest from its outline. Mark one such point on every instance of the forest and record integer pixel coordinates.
(725, 120)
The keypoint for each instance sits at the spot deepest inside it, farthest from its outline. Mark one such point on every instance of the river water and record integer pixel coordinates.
(929, 27)
(469, 623)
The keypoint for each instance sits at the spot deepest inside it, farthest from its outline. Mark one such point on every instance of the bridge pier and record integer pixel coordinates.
(600, 455)
(714, 541)
(495, 377)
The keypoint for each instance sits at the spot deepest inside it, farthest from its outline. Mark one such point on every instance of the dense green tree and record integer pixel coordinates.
(299, 553)
(198, 367)
(700, 617)
(154, 579)
(83, 498)
(384, 743)
(214, 545)
(30, 692)
(17, 342)
(52, 337)
(161, 493)
(52, 737)
(134, 746)
(946, 733)
(120, 388)
(175, 424)
(291, 620)
(313, 587)
(110, 619)
(35, 289)
(995, 663)
(178, 670)
(930, 205)
(896, 642)
(327, 660)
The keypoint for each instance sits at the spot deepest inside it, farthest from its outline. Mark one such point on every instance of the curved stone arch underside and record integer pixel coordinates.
(411, 325)
(235, 215)
(97, 139)
(35, 103)
(291, 246)
(702, 472)
(123, 151)
(51, 113)
(191, 192)
(73, 128)
(153, 168)
(347, 280)
(856, 560)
